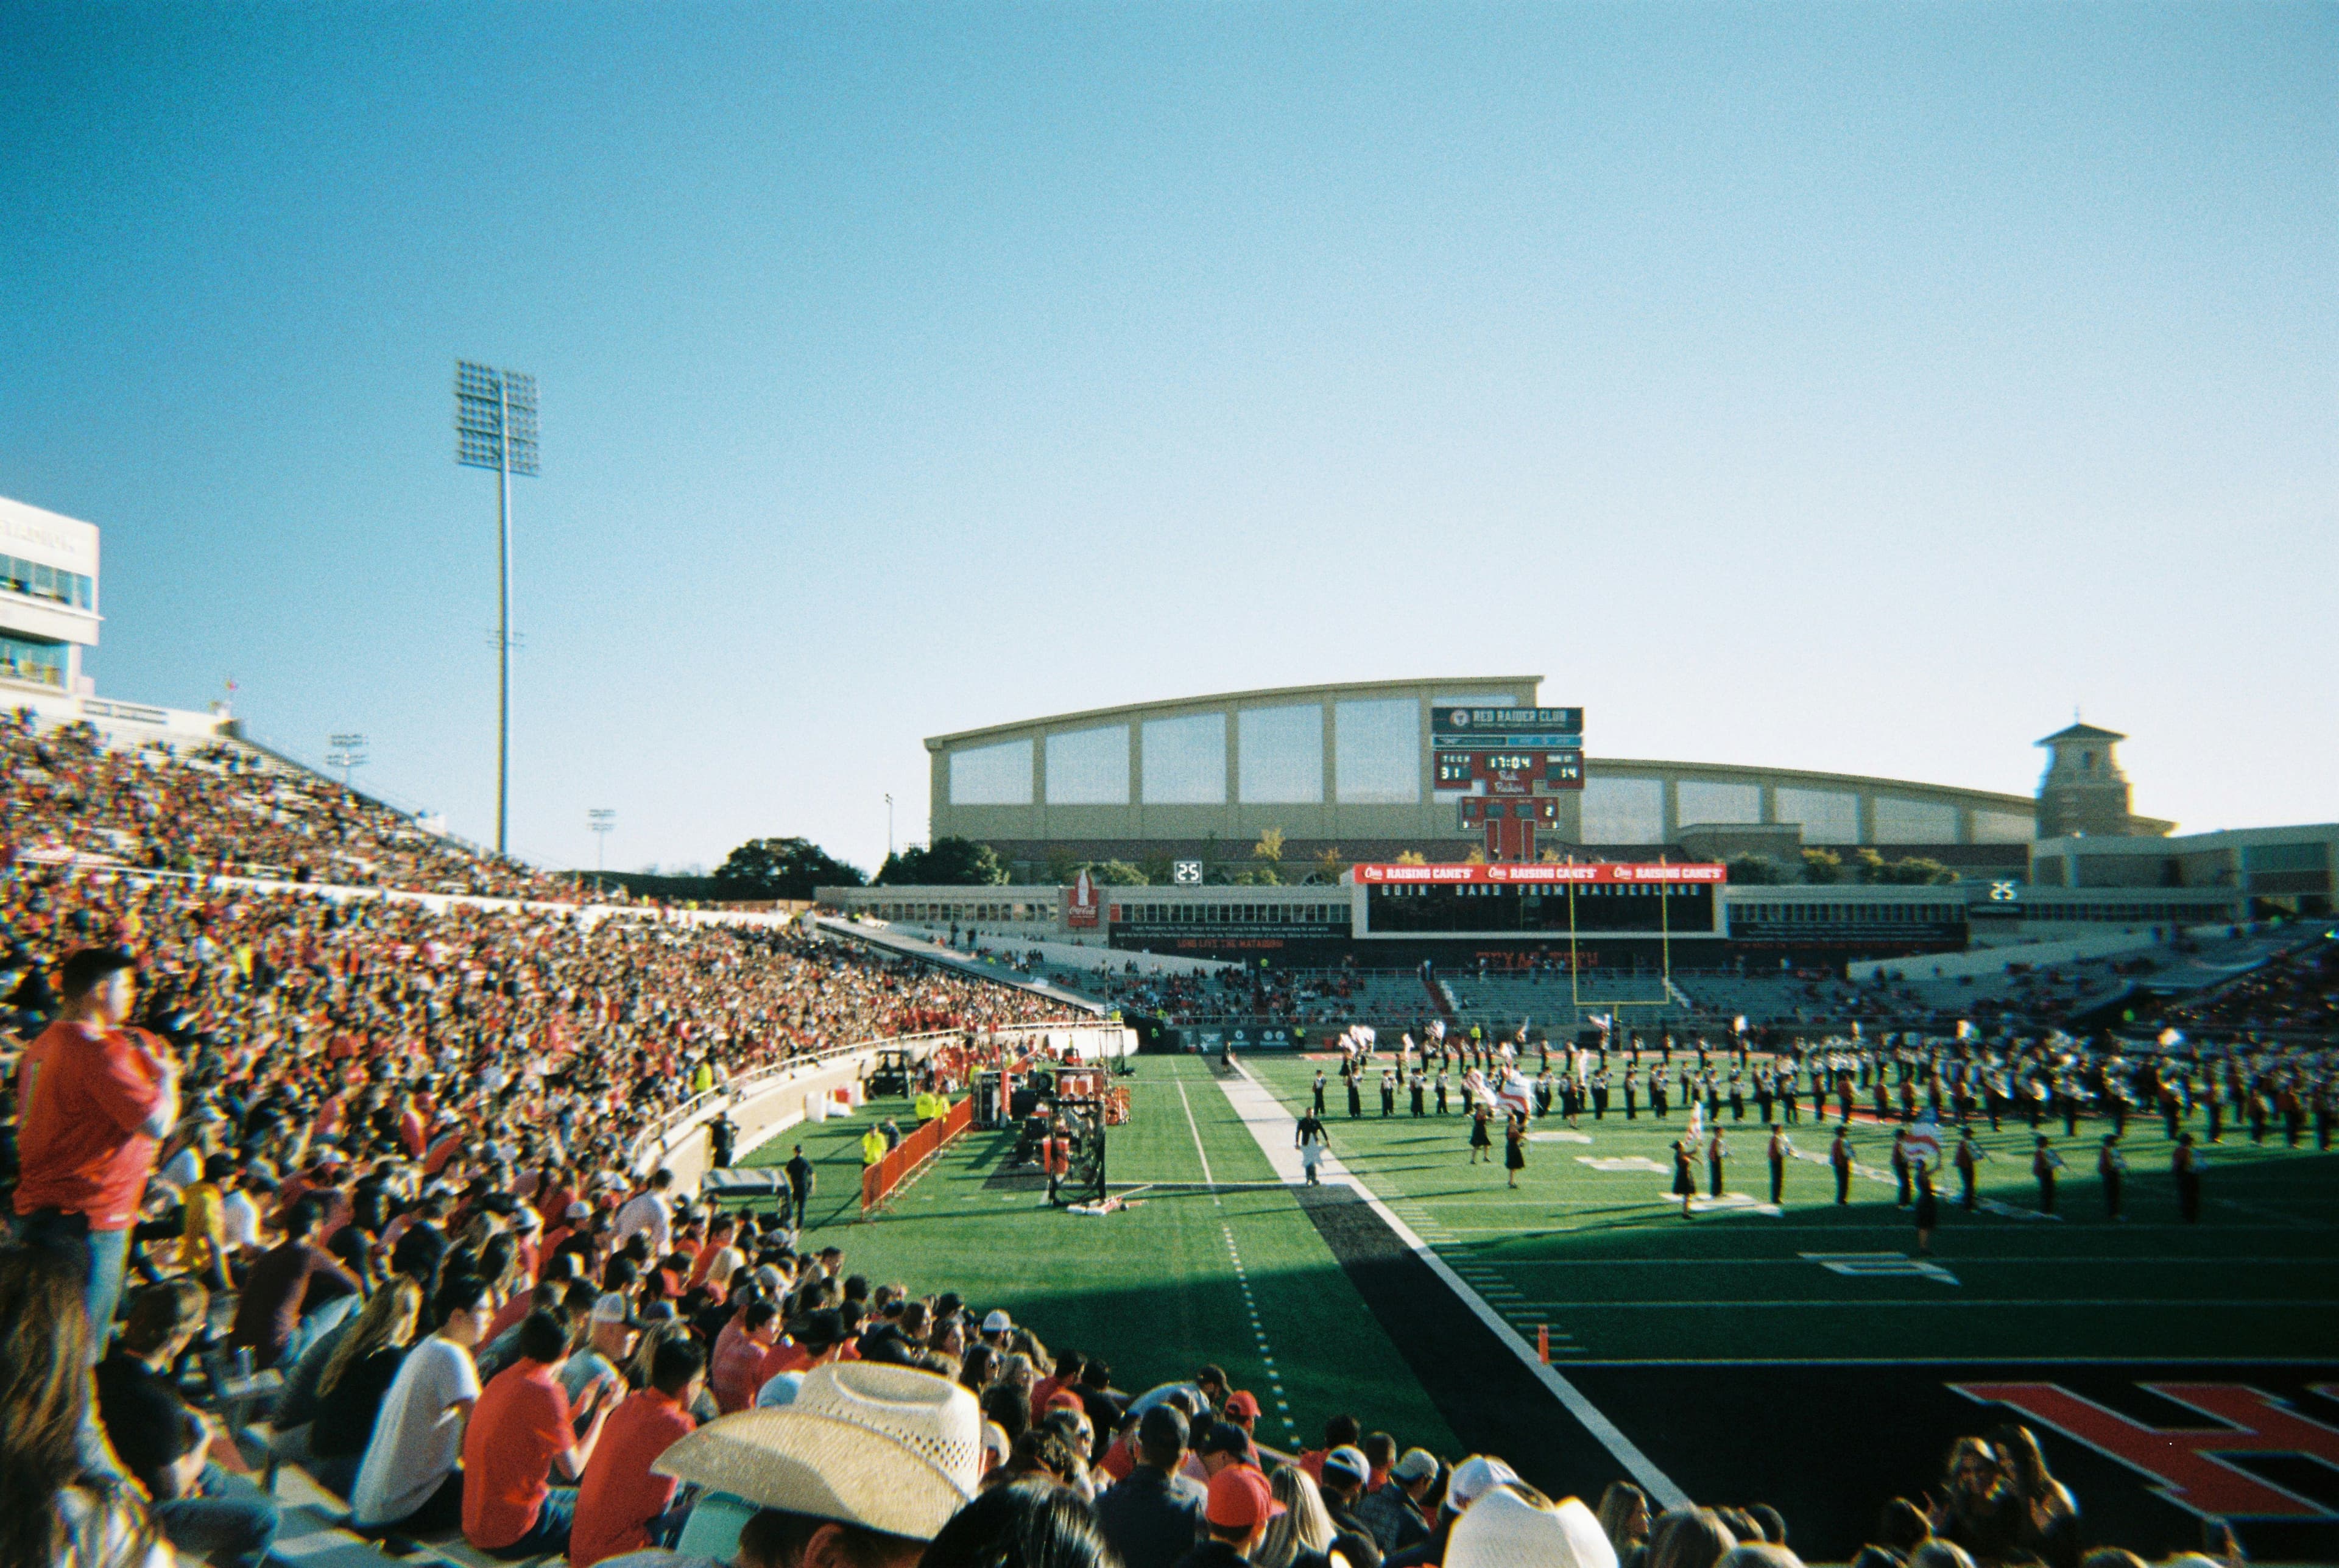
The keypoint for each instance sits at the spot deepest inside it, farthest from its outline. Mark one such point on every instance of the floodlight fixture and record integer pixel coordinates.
(495, 428)
(348, 753)
(602, 821)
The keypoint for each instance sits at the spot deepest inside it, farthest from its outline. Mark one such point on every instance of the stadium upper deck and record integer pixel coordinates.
(1353, 767)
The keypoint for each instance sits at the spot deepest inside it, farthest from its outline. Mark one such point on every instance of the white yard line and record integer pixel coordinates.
(1195, 1127)
(1276, 1131)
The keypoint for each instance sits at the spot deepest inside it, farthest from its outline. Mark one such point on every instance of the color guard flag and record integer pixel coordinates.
(1515, 1098)
(1437, 1029)
(1696, 1118)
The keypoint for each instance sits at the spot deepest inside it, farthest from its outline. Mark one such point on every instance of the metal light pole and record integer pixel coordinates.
(889, 827)
(601, 820)
(348, 753)
(495, 428)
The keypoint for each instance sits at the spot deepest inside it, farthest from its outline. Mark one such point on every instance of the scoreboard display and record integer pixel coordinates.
(1507, 751)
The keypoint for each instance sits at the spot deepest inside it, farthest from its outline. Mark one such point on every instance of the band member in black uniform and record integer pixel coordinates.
(1441, 1091)
(1319, 1091)
(1970, 1154)
(1356, 1098)
(1657, 1095)
(1716, 1152)
(1840, 1157)
(1788, 1097)
(1762, 1095)
(1928, 1210)
(1600, 1095)
(1388, 1094)
(2111, 1169)
(1737, 1095)
(1782, 1149)
(2044, 1163)
(1632, 1111)
(2184, 1165)
(1419, 1083)
(1685, 1172)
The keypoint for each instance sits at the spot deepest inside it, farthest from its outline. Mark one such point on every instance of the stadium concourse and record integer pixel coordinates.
(381, 1167)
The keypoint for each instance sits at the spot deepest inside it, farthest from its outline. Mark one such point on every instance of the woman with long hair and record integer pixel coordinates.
(1624, 1518)
(349, 1390)
(57, 1508)
(2050, 1525)
(1689, 1538)
(1302, 1535)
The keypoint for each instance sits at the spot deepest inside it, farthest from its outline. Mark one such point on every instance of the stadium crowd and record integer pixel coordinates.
(220, 809)
(382, 1160)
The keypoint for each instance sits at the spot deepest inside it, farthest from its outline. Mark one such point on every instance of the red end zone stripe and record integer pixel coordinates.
(2185, 1460)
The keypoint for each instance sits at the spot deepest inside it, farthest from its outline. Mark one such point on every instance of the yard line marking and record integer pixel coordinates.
(1962, 1258)
(1195, 1127)
(1274, 1127)
(1974, 1361)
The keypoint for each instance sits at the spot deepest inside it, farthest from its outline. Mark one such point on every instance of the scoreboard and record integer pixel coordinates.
(1506, 751)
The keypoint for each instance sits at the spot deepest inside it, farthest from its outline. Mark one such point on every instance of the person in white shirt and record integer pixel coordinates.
(650, 1214)
(412, 1478)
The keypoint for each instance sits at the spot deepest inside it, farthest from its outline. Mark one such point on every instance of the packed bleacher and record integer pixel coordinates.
(346, 1193)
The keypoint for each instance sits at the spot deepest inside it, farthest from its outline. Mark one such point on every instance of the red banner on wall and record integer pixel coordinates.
(1594, 875)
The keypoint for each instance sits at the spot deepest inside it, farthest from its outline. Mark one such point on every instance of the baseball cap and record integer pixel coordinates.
(1351, 1459)
(1242, 1401)
(997, 1322)
(612, 1308)
(1418, 1464)
(1224, 1437)
(1240, 1499)
(579, 1209)
(1473, 1478)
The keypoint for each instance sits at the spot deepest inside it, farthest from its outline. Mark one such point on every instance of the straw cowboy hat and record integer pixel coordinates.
(888, 1448)
(1509, 1529)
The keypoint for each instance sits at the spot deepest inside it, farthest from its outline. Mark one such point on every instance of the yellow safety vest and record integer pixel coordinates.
(873, 1147)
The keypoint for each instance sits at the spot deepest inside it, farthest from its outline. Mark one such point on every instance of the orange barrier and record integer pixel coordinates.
(879, 1180)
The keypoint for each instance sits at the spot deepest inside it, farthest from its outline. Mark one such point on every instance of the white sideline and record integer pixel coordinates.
(1276, 1131)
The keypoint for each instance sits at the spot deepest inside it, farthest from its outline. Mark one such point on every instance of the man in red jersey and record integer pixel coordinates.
(94, 1099)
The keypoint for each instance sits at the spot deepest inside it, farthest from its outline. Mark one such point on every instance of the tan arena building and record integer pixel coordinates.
(1347, 769)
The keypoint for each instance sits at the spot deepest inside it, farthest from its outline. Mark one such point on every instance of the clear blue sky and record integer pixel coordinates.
(1849, 387)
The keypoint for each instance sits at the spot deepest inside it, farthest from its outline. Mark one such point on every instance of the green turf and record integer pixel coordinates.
(1154, 1289)
(1606, 1260)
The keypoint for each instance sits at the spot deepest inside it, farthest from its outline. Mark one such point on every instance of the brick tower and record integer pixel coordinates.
(2084, 790)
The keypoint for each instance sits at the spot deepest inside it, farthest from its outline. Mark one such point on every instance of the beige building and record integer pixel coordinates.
(1348, 769)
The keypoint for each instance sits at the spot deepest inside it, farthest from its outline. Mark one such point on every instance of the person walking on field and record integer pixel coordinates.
(1685, 1172)
(1481, 1141)
(1839, 1157)
(93, 1100)
(1782, 1149)
(1319, 1091)
(1515, 1147)
(2111, 1169)
(1312, 1141)
(2044, 1163)
(1716, 1151)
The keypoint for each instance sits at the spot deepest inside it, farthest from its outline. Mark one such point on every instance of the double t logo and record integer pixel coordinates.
(2189, 1462)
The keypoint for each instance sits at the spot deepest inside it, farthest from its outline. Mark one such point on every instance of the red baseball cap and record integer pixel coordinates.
(1242, 1401)
(1240, 1499)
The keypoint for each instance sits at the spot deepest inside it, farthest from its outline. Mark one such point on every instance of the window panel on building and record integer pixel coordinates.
(1828, 816)
(1280, 757)
(1623, 811)
(1702, 800)
(1379, 751)
(2003, 827)
(1186, 760)
(1089, 767)
(1915, 821)
(991, 776)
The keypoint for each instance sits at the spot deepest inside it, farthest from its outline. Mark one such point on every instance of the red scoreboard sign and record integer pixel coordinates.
(1598, 874)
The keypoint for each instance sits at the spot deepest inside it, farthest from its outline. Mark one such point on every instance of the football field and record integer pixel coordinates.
(1802, 1356)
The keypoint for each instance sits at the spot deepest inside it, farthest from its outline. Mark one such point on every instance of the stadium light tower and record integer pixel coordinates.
(495, 428)
(601, 820)
(348, 755)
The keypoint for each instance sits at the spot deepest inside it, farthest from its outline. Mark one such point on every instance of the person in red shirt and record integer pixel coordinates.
(519, 1435)
(740, 1354)
(621, 1506)
(93, 1100)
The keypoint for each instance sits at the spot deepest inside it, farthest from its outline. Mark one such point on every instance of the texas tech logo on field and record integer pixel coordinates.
(2190, 1463)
